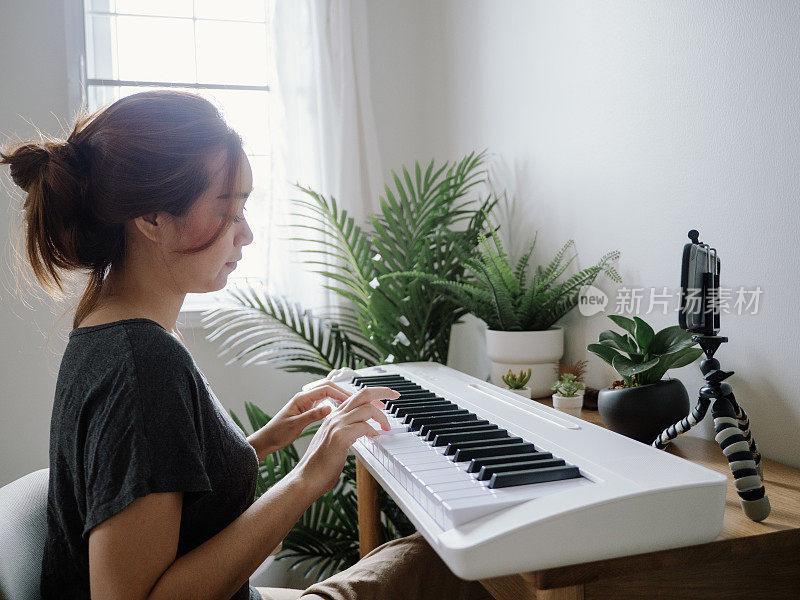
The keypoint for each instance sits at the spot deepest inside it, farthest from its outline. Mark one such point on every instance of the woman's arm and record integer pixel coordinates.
(132, 554)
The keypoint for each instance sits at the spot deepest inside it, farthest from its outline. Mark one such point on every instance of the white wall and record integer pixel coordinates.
(629, 124)
(34, 90)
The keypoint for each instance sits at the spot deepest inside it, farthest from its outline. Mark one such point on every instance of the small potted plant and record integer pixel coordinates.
(566, 397)
(518, 383)
(577, 369)
(643, 404)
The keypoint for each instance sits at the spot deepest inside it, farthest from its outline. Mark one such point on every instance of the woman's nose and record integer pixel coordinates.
(247, 237)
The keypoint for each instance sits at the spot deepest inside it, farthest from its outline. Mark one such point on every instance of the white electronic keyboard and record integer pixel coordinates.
(499, 484)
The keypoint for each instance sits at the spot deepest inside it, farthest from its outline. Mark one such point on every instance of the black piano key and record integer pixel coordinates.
(417, 395)
(512, 478)
(426, 402)
(420, 422)
(406, 387)
(443, 416)
(442, 439)
(419, 409)
(498, 450)
(393, 379)
(412, 401)
(402, 411)
(429, 432)
(434, 428)
(387, 381)
(477, 463)
(506, 440)
(405, 400)
(487, 471)
(434, 412)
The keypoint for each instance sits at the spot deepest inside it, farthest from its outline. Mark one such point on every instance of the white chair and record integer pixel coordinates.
(23, 533)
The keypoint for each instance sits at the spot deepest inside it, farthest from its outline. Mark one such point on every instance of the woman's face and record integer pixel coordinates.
(208, 270)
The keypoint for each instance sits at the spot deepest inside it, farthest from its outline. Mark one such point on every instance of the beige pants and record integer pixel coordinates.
(405, 569)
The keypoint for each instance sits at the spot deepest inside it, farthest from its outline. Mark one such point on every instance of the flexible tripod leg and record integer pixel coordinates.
(684, 425)
(744, 425)
(730, 438)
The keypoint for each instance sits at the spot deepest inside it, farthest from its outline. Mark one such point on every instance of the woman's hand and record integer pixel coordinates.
(300, 412)
(324, 460)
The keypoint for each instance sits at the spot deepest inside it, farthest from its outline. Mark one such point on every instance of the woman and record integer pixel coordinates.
(151, 483)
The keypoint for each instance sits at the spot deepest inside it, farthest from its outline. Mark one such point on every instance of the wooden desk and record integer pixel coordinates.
(747, 560)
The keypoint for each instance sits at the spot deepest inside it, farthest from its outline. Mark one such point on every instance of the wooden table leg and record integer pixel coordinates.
(369, 516)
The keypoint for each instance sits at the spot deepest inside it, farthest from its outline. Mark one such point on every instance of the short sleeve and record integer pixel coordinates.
(142, 436)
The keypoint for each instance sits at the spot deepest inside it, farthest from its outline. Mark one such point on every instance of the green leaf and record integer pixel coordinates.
(673, 360)
(628, 368)
(612, 339)
(685, 357)
(671, 339)
(627, 324)
(605, 352)
(643, 334)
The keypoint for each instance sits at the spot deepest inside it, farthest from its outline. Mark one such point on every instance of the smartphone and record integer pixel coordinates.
(700, 269)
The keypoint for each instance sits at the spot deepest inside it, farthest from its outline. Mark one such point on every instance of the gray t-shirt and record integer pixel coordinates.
(133, 415)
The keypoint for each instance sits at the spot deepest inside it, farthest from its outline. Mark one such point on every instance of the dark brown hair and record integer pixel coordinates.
(145, 153)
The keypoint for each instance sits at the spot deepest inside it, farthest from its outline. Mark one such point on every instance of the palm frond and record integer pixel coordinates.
(265, 329)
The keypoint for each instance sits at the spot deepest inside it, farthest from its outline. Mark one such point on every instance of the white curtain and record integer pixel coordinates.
(325, 136)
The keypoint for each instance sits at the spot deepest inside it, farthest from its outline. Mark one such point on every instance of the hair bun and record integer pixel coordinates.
(27, 163)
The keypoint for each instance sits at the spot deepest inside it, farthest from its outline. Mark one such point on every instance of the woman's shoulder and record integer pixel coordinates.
(139, 350)
(141, 336)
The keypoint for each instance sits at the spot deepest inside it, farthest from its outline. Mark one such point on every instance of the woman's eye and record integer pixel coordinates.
(238, 219)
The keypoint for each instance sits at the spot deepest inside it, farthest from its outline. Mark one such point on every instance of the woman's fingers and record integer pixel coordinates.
(369, 395)
(356, 430)
(327, 390)
(315, 414)
(364, 412)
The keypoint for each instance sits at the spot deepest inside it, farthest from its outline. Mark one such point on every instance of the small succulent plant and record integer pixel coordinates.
(517, 382)
(567, 385)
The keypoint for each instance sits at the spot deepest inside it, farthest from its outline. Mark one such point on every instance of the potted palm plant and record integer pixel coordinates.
(642, 404)
(567, 396)
(520, 312)
(518, 383)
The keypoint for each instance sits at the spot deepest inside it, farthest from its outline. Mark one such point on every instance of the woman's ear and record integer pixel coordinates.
(154, 226)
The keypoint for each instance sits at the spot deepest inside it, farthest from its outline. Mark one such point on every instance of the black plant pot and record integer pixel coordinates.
(643, 412)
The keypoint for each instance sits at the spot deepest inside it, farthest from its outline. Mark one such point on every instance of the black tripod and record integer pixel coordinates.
(732, 429)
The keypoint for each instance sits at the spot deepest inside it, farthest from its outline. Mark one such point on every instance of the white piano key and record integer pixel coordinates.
(440, 476)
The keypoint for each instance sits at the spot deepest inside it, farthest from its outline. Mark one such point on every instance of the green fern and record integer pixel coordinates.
(501, 295)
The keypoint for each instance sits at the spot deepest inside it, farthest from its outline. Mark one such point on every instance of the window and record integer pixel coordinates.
(220, 50)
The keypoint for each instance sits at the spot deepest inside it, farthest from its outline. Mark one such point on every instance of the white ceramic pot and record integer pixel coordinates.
(538, 351)
(568, 404)
(524, 392)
